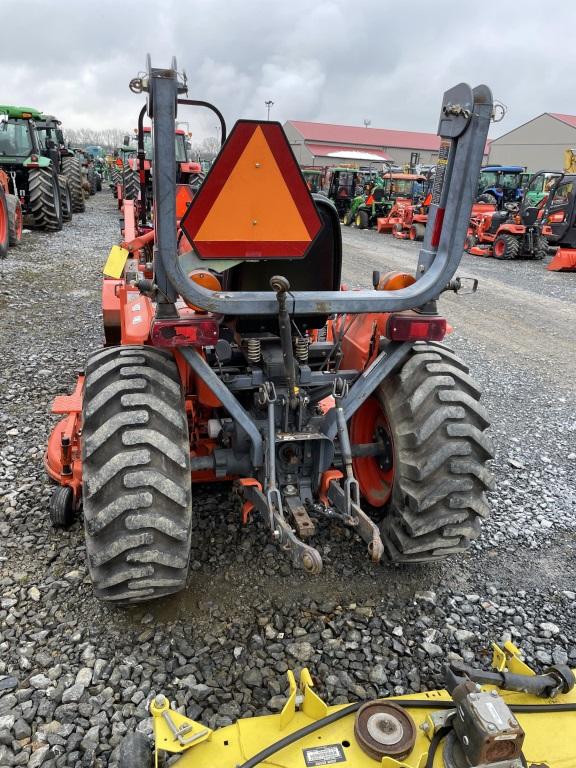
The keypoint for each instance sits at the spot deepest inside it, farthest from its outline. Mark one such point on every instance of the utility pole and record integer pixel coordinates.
(268, 104)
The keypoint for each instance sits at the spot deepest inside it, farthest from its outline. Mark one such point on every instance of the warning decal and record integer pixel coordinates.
(327, 755)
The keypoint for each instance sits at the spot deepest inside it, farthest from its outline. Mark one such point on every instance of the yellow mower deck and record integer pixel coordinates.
(550, 740)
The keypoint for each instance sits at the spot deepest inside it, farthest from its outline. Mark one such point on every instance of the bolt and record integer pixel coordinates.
(257, 165)
(254, 222)
(276, 534)
(491, 727)
(425, 727)
(465, 741)
(494, 694)
(290, 490)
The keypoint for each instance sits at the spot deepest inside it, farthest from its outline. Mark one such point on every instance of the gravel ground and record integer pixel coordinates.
(76, 675)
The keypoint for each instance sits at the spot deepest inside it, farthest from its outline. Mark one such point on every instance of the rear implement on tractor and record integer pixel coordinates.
(233, 354)
(507, 718)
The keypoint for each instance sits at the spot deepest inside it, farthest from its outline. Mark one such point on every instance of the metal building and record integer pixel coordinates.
(538, 144)
(325, 144)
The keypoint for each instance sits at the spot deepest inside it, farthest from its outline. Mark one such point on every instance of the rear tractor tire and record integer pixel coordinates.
(428, 487)
(45, 199)
(72, 169)
(540, 248)
(66, 197)
(348, 219)
(135, 751)
(131, 184)
(506, 247)
(14, 219)
(417, 232)
(137, 488)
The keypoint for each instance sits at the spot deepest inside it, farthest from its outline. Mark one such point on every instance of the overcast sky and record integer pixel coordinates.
(326, 60)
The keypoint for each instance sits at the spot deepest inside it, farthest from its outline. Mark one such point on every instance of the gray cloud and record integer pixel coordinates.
(331, 60)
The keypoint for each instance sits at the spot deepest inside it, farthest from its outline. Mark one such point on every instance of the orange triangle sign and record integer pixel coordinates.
(254, 203)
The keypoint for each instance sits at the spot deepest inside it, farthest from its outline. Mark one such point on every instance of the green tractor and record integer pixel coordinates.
(55, 147)
(33, 177)
(384, 192)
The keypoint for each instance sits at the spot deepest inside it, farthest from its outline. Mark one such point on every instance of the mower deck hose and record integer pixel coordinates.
(405, 703)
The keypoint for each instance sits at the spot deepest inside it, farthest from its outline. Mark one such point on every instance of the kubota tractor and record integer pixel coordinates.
(10, 216)
(241, 359)
(65, 160)
(516, 232)
(376, 210)
(34, 179)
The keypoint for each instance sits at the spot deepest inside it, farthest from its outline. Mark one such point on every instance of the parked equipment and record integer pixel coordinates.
(501, 184)
(240, 358)
(507, 718)
(65, 161)
(561, 220)
(516, 232)
(10, 216)
(33, 178)
(390, 193)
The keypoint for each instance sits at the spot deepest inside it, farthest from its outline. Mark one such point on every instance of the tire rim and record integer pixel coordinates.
(499, 248)
(412, 234)
(375, 474)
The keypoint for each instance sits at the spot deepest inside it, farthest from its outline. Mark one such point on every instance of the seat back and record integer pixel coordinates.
(319, 270)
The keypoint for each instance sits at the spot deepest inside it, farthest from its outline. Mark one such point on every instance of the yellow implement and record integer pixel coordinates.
(435, 729)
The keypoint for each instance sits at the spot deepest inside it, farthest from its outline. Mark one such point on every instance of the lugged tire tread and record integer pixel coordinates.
(441, 448)
(136, 475)
(72, 169)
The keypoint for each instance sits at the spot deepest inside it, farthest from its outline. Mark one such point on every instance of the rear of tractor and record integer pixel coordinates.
(33, 177)
(65, 161)
(233, 354)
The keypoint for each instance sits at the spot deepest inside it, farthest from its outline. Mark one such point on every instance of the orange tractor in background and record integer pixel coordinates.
(232, 354)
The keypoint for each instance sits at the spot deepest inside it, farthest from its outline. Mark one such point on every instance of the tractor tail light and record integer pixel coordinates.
(556, 218)
(184, 332)
(416, 328)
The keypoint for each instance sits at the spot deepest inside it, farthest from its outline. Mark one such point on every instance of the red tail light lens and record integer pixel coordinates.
(556, 218)
(185, 332)
(416, 328)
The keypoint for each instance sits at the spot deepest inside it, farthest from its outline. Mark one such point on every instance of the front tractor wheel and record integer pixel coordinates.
(136, 475)
(362, 220)
(417, 232)
(427, 485)
(506, 247)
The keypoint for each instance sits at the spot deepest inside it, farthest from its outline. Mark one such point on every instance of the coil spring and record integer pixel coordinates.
(253, 350)
(301, 344)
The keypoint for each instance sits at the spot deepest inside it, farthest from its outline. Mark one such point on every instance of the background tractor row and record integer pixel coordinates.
(43, 173)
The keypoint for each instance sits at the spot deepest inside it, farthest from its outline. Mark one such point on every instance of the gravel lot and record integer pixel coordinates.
(76, 675)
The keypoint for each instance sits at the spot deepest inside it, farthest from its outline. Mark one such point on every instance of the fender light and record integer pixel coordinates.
(415, 328)
(184, 332)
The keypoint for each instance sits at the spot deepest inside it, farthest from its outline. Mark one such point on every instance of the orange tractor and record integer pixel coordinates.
(10, 216)
(232, 354)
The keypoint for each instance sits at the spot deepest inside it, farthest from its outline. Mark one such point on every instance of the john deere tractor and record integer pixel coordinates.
(33, 177)
(56, 148)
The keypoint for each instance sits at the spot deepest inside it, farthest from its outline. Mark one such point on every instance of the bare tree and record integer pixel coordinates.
(107, 138)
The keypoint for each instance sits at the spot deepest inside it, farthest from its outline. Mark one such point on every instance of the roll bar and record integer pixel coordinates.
(463, 128)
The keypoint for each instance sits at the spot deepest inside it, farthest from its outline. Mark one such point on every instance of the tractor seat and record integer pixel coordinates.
(378, 194)
(319, 270)
(498, 218)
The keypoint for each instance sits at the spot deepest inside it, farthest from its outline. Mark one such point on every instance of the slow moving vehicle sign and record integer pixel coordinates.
(254, 203)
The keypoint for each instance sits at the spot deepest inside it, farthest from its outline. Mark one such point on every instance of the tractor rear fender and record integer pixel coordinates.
(40, 162)
(511, 229)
